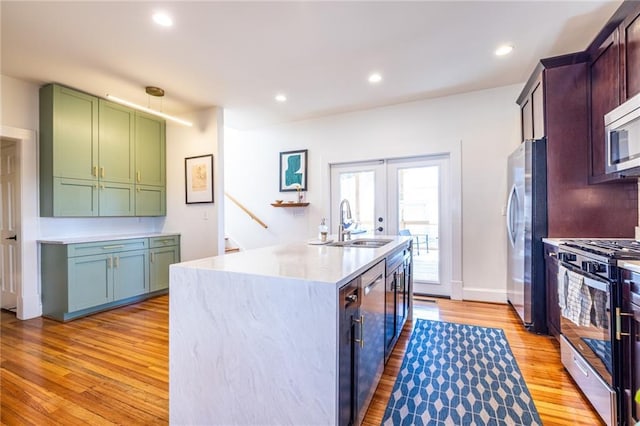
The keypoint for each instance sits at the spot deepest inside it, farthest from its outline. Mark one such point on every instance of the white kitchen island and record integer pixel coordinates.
(254, 335)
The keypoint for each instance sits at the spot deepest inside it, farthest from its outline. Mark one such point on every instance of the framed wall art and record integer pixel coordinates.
(199, 179)
(293, 171)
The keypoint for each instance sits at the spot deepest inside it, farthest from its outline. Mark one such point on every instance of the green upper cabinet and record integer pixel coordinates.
(93, 152)
(116, 143)
(151, 200)
(116, 199)
(150, 150)
(69, 133)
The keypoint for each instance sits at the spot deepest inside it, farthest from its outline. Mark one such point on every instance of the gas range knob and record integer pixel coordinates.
(592, 267)
(566, 257)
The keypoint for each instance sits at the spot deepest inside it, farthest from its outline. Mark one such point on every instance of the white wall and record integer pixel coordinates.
(19, 113)
(200, 224)
(484, 123)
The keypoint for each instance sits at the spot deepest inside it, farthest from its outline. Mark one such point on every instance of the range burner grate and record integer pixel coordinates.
(615, 249)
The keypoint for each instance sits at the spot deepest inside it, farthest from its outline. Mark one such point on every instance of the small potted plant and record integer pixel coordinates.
(638, 401)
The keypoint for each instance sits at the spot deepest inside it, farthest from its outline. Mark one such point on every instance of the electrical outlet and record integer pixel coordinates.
(205, 215)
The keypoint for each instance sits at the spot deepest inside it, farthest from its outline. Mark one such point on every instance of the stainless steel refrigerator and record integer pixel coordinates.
(526, 226)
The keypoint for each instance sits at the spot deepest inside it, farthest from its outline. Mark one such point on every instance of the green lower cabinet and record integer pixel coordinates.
(83, 278)
(161, 258)
(90, 281)
(130, 274)
(163, 251)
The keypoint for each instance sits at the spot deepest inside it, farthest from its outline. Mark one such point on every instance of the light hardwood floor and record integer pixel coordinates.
(112, 368)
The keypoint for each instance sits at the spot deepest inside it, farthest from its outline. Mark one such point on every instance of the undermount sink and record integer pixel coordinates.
(361, 242)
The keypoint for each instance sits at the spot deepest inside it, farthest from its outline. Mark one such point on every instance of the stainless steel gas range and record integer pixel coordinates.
(589, 297)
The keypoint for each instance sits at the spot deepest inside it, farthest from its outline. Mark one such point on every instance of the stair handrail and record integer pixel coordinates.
(246, 210)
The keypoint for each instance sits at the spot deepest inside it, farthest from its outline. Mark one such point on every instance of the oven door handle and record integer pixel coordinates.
(598, 285)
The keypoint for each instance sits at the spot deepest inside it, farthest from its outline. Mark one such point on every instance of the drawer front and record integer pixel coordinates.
(171, 240)
(373, 273)
(601, 396)
(102, 247)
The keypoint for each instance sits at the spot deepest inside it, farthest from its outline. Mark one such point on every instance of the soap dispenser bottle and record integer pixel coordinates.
(323, 230)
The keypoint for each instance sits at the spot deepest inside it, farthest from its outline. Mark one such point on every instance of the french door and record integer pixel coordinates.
(407, 196)
(363, 185)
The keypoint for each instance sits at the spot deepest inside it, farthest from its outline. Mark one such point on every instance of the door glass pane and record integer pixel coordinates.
(359, 189)
(418, 214)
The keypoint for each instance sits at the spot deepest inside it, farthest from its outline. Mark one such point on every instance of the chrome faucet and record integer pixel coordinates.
(342, 232)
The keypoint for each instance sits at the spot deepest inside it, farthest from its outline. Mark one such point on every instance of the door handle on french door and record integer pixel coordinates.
(380, 229)
(14, 238)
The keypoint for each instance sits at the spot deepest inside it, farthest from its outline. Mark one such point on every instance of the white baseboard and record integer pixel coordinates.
(484, 295)
(457, 290)
(29, 307)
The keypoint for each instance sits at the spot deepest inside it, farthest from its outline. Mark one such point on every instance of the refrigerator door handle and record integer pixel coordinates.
(512, 213)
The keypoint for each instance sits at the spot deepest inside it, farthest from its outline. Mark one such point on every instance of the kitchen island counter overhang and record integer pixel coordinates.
(254, 336)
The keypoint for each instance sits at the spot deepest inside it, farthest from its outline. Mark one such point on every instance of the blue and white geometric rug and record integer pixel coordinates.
(456, 374)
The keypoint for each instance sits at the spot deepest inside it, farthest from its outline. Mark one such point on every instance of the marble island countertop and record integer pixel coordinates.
(303, 261)
(258, 330)
(95, 238)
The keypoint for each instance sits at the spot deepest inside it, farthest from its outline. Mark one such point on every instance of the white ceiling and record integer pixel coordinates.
(238, 55)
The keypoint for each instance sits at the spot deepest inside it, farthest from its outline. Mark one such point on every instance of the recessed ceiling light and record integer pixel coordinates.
(375, 78)
(162, 19)
(281, 98)
(505, 49)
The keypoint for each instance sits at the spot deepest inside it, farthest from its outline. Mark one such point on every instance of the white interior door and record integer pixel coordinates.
(363, 185)
(9, 225)
(419, 205)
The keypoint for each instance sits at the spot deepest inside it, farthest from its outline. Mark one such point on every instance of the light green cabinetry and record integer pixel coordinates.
(150, 165)
(116, 150)
(130, 274)
(103, 278)
(69, 128)
(116, 199)
(90, 281)
(164, 251)
(84, 278)
(151, 200)
(150, 150)
(96, 156)
(73, 197)
(68, 151)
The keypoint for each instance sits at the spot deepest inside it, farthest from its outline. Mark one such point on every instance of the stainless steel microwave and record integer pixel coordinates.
(622, 134)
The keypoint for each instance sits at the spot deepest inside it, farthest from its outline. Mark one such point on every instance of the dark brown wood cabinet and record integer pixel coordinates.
(532, 112)
(605, 87)
(559, 86)
(614, 77)
(629, 33)
(551, 275)
(526, 117)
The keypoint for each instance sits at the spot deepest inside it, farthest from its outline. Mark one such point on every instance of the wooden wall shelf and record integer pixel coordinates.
(285, 204)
